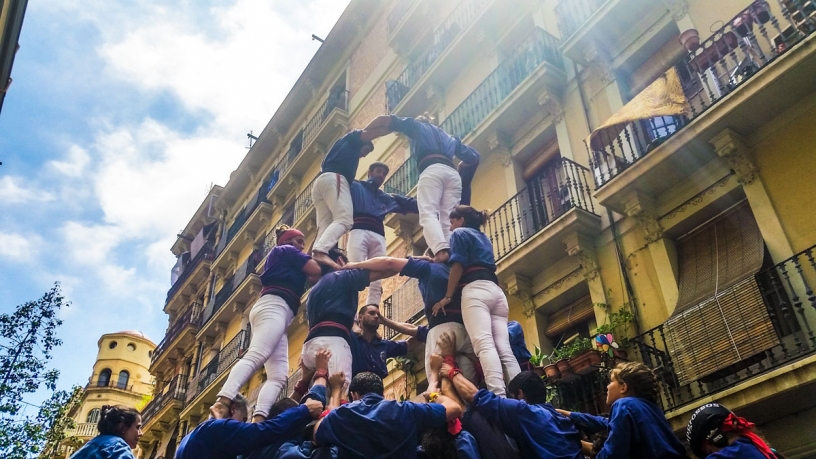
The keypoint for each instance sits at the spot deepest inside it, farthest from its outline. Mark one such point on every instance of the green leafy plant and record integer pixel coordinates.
(537, 357)
(575, 348)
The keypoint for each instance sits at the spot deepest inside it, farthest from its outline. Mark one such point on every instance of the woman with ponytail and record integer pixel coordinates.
(716, 432)
(286, 272)
(484, 306)
(120, 428)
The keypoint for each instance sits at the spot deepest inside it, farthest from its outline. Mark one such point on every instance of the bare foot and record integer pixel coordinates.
(442, 256)
(323, 259)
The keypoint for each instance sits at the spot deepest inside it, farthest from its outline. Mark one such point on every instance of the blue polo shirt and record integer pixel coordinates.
(372, 204)
(638, 429)
(283, 274)
(333, 299)
(466, 446)
(743, 448)
(490, 438)
(539, 430)
(372, 356)
(294, 449)
(589, 423)
(473, 250)
(375, 428)
(520, 350)
(433, 285)
(227, 438)
(344, 156)
(429, 141)
(104, 447)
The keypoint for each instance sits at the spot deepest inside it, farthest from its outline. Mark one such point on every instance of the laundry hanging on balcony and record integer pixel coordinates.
(721, 320)
(664, 97)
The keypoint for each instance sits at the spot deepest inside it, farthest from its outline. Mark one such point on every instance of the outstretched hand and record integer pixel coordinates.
(322, 360)
(447, 344)
(440, 306)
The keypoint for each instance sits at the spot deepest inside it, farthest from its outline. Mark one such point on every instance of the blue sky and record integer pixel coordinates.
(120, 117)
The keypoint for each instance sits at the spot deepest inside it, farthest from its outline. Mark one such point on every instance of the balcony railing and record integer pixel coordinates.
(574, 13)
(242, 216)
(83, 429)
(288, 219)
(337, 99)
(303, 202)
(538, 48)
(190, 318)
(246, 269)
(443, 36)
(102, 384)
(207, 253)
(557, 189)
(221, 362)
(586, 394)
(404, 179)
(728, 58)
(175, 390)
(404, 305)
(787, 293)
(398, 14)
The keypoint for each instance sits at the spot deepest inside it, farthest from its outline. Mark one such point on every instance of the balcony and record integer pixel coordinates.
(460, 38)
(218, 365)
(407, 22)
(776, 337)
(404, 305)
(247, 223)
(191, 272)
(102, 384)
(187, 322)
(745, 74)
(242, 287)
(531, 226)
(304, 207)
(288, 219)
(83, 429)
(589, 24)
(509, 96)
(312, 141)
(169, 401)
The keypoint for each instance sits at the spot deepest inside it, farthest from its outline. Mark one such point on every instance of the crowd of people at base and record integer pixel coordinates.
(479, 401)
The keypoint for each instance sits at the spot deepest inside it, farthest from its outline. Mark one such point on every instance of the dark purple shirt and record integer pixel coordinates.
(344, 156)
(433, 285)
(334, 299)
(283, 274)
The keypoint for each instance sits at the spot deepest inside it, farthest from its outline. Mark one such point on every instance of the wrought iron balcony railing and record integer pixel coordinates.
(727, 59)
(303, 202)
(223, 360)
(207, 253)
(557, 189)
(175, 390)
(288, 219)
(338, 98)
(246, 269)
(457, 21)
(189, 318)
(572, 14)
(404, 305)
(404, 179)
(105, 384)
(538, 48)
(787, 292)
(242, 216)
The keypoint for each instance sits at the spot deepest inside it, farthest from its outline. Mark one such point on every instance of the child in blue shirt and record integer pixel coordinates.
(284, 278)
(484, 306)
(715, 432)
(637, 427)
(120, 428)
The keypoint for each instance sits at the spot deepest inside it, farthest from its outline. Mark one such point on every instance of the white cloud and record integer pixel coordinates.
(75, 162)
(19, 248)
(12, 191)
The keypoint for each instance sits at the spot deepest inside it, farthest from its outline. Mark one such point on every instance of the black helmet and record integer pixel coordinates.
(705, 424)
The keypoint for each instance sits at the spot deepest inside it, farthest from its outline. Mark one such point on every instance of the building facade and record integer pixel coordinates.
(645, 163)
(12, 13)
(120, 377)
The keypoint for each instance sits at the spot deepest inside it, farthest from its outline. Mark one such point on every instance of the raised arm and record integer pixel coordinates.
(388, 264)
(448, 370)
(378, 127)
(400, 327)
(312, 271)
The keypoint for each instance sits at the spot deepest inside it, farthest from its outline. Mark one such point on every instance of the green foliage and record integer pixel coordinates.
(575, 348)
(27, 338)
(537, 356)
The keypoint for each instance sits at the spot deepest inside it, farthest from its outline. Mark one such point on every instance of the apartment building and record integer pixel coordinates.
(642, 160)
(12, 13)
(120, 377)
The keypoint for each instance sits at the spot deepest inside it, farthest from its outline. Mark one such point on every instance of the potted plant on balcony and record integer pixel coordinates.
(690, 39)
(583, 358)
(536, 360)
(561, 357)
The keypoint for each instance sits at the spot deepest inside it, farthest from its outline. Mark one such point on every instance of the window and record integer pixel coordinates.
(112, 345)
(104, 378)
(131, 347)
(93, 415)
(122, 382)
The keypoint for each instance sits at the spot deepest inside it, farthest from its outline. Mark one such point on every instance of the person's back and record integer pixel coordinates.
(641, 424)
(104, 447)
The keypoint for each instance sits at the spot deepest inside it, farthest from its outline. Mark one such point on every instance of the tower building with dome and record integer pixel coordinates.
(120, 377)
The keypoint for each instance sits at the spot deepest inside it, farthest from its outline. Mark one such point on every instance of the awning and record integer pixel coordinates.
(664, 97)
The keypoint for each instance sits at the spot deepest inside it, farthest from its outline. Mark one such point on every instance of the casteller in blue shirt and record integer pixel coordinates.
(371, 206)
(742, 448)
(332, 303)
(371, 355)
(432, 145)
(473, 250)
(539, 430)
(227, 438)
(344, 156)
(283, 274)
(520, 350)
(433, 284)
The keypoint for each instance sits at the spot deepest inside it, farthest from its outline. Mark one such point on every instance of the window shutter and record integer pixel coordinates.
(720, 318)
(567, 317)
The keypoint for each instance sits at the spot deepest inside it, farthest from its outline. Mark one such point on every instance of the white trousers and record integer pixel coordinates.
(332, 201)
(340, 350)
(464, 350)
(269, 347)
(438, 192)
(362, 245)
(484, 312)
